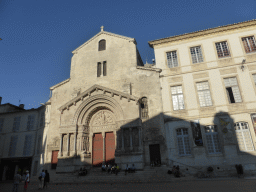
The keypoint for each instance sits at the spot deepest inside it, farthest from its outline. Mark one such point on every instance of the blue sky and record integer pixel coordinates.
(38, 36)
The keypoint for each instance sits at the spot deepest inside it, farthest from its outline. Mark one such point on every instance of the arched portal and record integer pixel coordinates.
(96, 120)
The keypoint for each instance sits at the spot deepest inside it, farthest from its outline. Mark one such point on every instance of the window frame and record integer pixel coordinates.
(225, 89)
(250, 135)
(100, 48)
(241, 38)
(1, 124)
(16, 126)
(177, 95)
(197, 92)
(183, 142)
(176, 51)
(13, 147)
(211, 134)
(30, 126)
(228, 47)
(202, 53)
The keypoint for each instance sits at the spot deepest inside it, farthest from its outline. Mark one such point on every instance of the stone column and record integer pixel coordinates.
(115, 139)
(104, 151)
(140, 139)
(75, 142)
(122, 134)
(68, 147)
(90, 143)
(130, 133)
(61, 140)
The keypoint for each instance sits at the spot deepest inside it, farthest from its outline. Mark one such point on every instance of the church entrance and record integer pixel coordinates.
(154, 151)
(103, 144)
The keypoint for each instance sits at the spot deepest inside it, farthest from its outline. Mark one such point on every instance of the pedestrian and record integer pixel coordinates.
(46, 179)
(17, 179)
(26, 181)
(41, 179)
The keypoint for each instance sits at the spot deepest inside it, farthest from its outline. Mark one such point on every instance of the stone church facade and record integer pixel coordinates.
(109, 110)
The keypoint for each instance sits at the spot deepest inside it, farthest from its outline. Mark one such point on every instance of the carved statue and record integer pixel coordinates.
(85, 144)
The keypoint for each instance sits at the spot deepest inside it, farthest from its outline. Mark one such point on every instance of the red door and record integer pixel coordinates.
(97, 150)
(110, 148)
(54, 159)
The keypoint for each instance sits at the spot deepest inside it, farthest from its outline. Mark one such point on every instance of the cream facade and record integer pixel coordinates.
(208, 95)
(21, 140)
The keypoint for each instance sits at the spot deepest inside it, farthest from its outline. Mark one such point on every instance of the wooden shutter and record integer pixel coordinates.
(98, 69)
(104, 68)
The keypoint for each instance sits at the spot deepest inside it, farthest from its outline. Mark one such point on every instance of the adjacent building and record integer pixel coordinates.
(21, 139)
(209, 96)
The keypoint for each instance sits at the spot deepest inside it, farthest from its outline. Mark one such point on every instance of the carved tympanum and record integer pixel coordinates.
(103, 118)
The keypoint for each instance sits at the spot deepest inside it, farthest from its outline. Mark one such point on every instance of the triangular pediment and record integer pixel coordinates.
(106, 33)
(104, 90)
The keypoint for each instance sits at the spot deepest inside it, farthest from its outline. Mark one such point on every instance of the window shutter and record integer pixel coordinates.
(98, 69)
(104, 68)
(12, 147)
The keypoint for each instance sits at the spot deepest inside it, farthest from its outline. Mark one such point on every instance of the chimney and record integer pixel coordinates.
(0, 100)
(21, 106)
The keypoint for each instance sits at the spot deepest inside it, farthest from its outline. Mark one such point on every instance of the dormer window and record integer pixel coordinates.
(102, 45)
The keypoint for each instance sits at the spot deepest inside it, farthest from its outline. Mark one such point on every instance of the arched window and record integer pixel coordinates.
(212, 139)
(183, 142)
(102, 45)
(243, 136)
(144, 107)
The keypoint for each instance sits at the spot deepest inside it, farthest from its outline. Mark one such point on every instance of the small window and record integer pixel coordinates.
(30, 123)
(172, 60)
(204, 94)
(16, 124)
(104, 68)
(222, 49)
(249, 44)
(98, 69)
(232, 90)
(243, 136)
(196, 54)
(12, 147)
(102, 45)
(212, 139)
(177, 98)
(1, 124)
(183, 142)
(144, 108)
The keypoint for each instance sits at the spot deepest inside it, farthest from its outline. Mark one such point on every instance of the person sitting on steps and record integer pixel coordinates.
(127, 169)
(133, 168)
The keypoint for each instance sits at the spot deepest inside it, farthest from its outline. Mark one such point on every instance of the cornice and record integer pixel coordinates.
(96, 87)
(59, 84)
(203, 32)
(150, 69)
(106, 33)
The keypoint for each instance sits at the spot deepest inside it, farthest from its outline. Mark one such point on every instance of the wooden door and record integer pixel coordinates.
(54, 159)
(97, 149)
(110, 148)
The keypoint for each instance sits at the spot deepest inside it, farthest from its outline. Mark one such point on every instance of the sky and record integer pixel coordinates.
(38, 36)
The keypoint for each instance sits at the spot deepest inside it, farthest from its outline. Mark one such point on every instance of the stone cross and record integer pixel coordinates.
(102, 28)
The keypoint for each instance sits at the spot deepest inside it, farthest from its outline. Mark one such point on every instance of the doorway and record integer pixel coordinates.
(154, 151)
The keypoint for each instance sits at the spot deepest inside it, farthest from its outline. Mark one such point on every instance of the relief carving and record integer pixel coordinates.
(103, 118)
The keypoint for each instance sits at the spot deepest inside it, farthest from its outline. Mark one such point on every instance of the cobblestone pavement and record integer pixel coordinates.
(228, 185)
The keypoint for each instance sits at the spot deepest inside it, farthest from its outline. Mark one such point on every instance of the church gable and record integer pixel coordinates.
(96, 88)
(101, 35)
